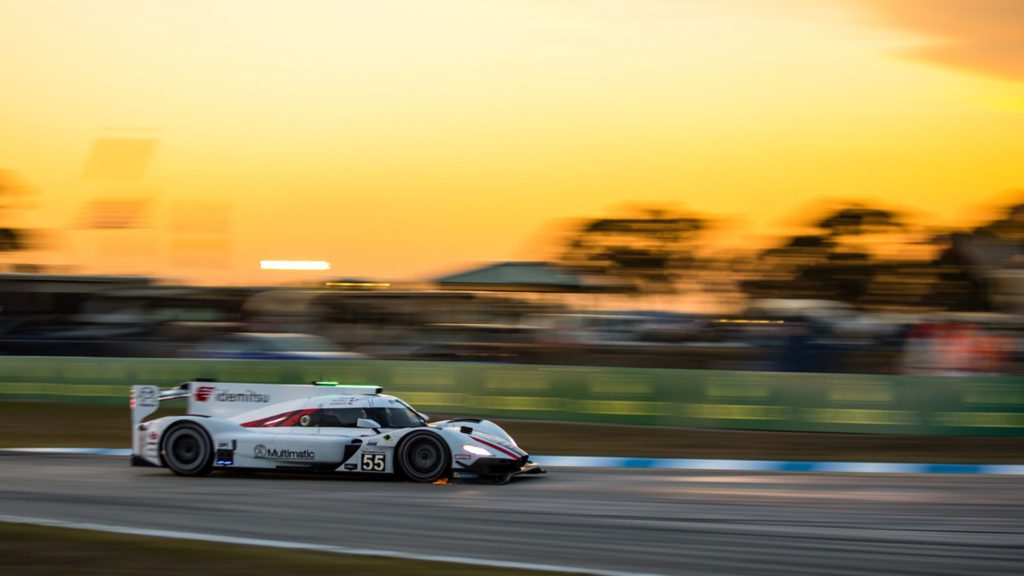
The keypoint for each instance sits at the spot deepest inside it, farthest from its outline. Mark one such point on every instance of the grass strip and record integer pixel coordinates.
(27, 550)
(41, 424)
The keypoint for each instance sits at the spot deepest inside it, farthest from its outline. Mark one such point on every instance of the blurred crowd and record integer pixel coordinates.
(135, 316)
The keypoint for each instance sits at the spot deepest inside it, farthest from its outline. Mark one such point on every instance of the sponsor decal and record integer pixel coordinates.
(153, 435)
(350, 467)
(462, 457)
(261, 451)
(147, 398)
(204, 393)
(247, 396)
(387, 437)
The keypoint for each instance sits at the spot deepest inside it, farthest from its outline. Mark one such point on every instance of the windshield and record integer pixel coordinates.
(395, 417)
(400, 417)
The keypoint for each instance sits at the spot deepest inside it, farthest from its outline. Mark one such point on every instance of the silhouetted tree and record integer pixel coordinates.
(959, 284)
(646, 250)
(12, 239)
(826, 264)
(971, 262)
(837, 263)
(17, 198)
(857, 219)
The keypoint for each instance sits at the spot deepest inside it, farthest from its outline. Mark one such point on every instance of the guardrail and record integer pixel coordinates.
(983, 405)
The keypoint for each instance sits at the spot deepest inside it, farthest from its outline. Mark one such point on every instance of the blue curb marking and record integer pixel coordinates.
(99, 451)
(775, 465)
(685, 463)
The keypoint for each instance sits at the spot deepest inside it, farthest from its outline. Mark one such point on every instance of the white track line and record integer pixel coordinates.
(290, 545)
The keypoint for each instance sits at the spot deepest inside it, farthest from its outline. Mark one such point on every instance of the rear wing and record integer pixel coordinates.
(146, 399)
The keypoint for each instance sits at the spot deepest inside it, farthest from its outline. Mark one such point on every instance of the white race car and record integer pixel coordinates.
(323, 427)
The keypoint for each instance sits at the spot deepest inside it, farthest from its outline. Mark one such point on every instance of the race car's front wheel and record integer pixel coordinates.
(187, 450)
(424, 457)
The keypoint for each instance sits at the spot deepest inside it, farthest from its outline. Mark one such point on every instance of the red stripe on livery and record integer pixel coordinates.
(496, 447)
(295, 417)
(278, 420)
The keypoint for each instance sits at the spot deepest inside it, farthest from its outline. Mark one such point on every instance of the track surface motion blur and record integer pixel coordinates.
(644, 521)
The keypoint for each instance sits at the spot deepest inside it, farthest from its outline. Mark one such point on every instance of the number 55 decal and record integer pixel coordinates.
(373, 462)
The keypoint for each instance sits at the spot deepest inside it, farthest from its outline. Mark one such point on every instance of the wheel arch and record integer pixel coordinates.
(446, 442)
(179, 422)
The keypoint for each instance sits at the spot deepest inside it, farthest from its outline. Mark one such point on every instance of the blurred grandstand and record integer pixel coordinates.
(857, 290)
(139, 317)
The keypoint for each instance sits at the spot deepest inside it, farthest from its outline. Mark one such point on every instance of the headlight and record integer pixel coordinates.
(476, 450)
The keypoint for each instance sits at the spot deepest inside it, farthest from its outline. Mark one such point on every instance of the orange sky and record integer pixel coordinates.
(405, 139)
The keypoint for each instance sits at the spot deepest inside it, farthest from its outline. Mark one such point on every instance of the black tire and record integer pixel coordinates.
(187, 450)
(424, 457)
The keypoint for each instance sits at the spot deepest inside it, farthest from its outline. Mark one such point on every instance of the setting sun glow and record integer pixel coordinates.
(401, 140)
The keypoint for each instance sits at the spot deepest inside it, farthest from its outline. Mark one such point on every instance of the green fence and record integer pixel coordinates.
(697, 398)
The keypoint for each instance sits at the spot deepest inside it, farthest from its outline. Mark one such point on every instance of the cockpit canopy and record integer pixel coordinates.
(396, 416)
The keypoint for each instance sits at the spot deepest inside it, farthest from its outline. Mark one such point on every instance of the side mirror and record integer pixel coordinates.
(367, 423)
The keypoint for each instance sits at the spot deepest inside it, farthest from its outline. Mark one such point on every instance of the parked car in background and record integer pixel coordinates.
(271, 346)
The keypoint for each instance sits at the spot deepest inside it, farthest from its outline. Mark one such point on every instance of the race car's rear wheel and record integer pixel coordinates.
(424, 457)
(187, 450)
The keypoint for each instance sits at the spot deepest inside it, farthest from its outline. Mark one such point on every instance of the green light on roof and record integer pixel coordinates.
(376, 389)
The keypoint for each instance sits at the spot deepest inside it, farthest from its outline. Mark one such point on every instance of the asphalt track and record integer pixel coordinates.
(662, 522)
